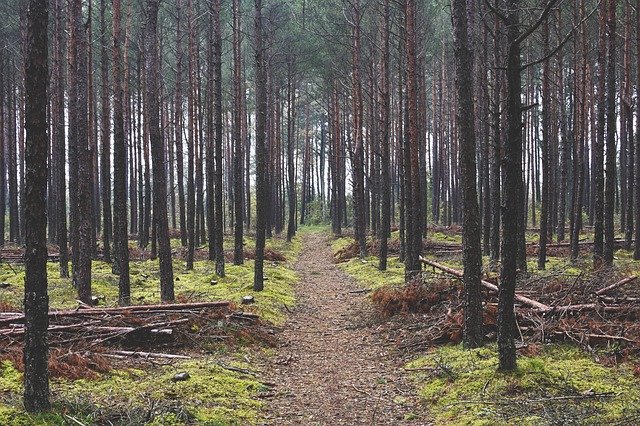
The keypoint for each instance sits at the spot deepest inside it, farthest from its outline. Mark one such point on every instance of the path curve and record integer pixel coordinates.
(332, 367)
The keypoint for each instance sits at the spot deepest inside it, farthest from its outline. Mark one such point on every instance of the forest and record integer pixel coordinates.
(296, 212)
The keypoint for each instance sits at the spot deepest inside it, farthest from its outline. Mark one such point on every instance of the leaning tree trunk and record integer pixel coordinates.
(36, 299)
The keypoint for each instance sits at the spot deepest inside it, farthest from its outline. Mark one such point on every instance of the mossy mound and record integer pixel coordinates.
(560, 385)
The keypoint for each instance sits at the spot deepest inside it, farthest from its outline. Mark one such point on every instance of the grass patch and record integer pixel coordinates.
(464, 388)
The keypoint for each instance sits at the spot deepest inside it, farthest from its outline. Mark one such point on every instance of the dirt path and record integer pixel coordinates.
(332, 367)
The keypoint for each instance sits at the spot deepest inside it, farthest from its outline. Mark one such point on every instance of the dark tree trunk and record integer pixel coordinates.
(121, 235)
(218, 234)
(413, 207)
(473, 334)
(60, 139)
(158, 151)
(80, 185)
(610, 170)
(291, 171)
(238, 176)
(636, 247)
(385, 113)
(598, 150)
(546, 136)
(261, 121)
(105, 124)
(36, 299)
(359, 208)
(192, 137)
(179, 124)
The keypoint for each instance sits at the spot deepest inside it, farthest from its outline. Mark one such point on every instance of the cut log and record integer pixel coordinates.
(522, 299)
(616, 285)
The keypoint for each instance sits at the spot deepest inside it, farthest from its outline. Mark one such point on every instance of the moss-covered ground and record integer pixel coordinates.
(557, 384)
(560, 385)
(212, 395)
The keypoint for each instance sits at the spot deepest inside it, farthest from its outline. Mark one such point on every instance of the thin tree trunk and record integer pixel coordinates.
(121, 235)
(261, 121)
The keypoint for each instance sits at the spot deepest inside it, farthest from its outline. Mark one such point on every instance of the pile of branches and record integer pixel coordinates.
(593, 312)
(88, 340)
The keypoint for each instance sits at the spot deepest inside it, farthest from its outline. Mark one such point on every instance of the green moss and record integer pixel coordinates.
(367, 274)
(211, 396)
(10, 378)
(441, 237)
(464, 387)
(340, 243)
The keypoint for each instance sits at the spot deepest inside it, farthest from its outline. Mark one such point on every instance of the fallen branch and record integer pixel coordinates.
(136, 309)
(522, 299)
(616, 285)
(148, 355)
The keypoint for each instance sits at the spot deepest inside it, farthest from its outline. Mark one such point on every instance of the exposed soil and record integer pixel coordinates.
(334, 366)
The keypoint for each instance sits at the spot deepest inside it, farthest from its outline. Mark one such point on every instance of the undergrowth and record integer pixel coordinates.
(212, 395)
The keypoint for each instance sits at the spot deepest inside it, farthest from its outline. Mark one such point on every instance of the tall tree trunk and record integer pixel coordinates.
(610, 170)
(180, 123)
(636, 247)
(192, 137)
(36, 299)
(473, 334)
(106, 137)
(261, 121)
(291, 172)
(217, 112)
(121, 234)
(546, 136)
(598, 151)
(358, 154)
(413, 211)
(81, 184)
(238, 176)
(158, 151)
(385, 101)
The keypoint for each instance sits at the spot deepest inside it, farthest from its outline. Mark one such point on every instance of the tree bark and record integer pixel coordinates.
(158, 151)
(261, 121)
(473, 334)
(36, 299)
(121, 234)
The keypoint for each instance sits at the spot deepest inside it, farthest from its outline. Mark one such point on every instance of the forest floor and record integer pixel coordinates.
(332, 366)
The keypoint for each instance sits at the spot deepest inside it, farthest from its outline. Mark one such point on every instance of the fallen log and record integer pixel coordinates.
(616, 285)
(136, 309)
(522, 299)
(147, 355)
